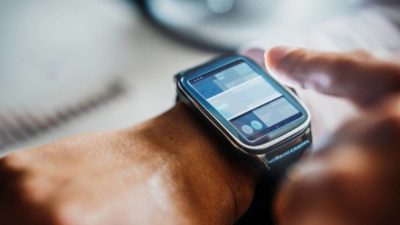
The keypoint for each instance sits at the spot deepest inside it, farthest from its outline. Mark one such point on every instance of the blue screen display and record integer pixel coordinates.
(246, 99)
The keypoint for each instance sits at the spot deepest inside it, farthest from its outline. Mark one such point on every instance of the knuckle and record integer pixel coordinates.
(21, 182)
(7, 162)
(15, 161)
(10, 166)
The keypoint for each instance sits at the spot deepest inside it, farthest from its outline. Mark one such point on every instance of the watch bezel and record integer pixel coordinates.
(184, 91)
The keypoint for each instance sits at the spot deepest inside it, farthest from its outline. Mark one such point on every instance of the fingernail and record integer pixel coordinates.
(275, 55)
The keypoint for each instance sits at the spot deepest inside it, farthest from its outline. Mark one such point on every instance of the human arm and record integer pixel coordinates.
(168, 170)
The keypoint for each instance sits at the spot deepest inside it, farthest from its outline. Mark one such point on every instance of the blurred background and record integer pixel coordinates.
(72, 66)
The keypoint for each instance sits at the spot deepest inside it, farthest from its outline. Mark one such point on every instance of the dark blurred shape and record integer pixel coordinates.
(224, 25)
(261, 209)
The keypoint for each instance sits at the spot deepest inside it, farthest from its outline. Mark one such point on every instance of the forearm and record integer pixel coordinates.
(167, 170)
(218, 186)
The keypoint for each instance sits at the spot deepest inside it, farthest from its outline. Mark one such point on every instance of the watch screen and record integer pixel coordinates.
(247, 101)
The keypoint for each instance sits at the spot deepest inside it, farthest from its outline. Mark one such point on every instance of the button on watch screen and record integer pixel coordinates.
(245, 99)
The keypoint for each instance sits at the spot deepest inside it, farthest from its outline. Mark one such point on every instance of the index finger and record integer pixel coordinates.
(357, 76)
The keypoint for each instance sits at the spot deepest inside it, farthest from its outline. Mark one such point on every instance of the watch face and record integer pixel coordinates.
(244, 101)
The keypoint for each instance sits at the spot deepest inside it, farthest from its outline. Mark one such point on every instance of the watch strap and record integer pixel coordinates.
(279, 159)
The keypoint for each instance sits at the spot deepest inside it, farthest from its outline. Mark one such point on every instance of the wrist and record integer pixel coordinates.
(218, 186)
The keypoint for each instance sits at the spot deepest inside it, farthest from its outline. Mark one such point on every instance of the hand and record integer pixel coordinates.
(328, 112)
(165, 171)
(357, 76)
(355, 178)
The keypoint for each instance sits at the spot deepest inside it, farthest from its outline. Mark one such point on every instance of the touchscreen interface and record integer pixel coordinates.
(246, 99)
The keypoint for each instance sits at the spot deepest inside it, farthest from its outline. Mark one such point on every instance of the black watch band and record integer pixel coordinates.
(279, 159)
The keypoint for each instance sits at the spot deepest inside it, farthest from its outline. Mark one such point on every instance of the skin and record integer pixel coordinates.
(164, 171)
(170, 170)
(354, 178)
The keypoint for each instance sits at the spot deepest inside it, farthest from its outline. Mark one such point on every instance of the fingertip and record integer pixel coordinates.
(273, 62)
(274, 56)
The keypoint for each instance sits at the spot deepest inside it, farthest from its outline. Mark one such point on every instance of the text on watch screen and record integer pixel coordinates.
(245, 99)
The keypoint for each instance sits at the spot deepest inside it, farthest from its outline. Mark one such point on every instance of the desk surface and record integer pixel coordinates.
(54, 55)
(59, 56)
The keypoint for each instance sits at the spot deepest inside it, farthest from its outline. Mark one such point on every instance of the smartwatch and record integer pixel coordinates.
(258, 116)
